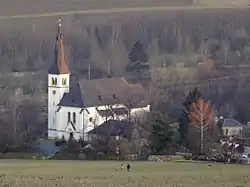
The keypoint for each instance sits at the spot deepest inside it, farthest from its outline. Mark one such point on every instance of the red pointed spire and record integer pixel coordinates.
(60, 65)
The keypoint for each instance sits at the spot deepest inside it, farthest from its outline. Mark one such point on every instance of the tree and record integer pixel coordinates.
(161, 135)
(137, 53)
(138, 59)
(184, 120)
(201, 115)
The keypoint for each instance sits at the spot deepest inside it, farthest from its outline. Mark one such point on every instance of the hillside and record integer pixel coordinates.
(15, 7)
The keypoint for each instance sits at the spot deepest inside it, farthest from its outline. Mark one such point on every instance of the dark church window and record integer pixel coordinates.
(69, 116)
(100, 97)
(54, 92)
(90, 119)
(54, 81)
(64, 81)
(74, 117)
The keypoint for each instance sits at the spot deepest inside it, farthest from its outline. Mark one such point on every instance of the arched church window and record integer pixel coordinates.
(54, 92)
(64, 81)
(69, 116)
(54, 81)
(74, 117)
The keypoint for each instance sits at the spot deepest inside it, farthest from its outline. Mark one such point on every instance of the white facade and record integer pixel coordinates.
(57, 86)
(233, 131)
(79, 121)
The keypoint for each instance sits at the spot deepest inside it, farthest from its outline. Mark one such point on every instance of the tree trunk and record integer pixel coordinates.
(202, 137)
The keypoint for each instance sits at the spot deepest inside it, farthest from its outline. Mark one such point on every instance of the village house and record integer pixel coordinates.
(77, 108)
(232, 127)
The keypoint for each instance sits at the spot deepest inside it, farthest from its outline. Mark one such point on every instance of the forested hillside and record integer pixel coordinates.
(172, 52)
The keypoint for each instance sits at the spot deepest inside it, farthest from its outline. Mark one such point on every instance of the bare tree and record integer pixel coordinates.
(201, 115)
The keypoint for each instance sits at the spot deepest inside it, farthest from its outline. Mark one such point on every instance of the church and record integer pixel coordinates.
(74, 109)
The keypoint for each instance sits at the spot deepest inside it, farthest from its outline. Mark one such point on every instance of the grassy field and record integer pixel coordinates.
(104, 174)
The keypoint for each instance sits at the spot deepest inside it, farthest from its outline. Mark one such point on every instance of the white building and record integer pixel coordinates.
(232, 127)
(78, 108)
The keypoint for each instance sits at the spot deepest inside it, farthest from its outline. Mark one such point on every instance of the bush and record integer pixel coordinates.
(82, 156)
(65, 156)
(166, 158)
(13, 155)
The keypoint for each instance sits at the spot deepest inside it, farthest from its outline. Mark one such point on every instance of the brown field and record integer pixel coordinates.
(24, 7)
(17, 173)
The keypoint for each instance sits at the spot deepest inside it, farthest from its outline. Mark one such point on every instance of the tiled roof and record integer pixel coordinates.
(73, 98)
(229, 122)
(101, 92)
(60, 65)
(120, 111)
(105, 113)
(114, 128)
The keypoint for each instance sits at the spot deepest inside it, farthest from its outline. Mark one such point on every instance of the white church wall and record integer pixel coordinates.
(64, 116)
(57, 86)
(93, 118)
(135, 111)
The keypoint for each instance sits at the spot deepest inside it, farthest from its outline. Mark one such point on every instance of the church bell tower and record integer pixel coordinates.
(58, 84)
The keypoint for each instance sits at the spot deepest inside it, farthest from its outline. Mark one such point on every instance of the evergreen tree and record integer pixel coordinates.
(138, 59)
(184, 120)
(137, 53)
(161, 135)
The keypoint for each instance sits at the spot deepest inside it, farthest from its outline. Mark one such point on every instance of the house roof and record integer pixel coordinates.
(114, 128)
(112, 112)
(73, 98)
(229, 122)
(60, 65)
(105, 113)
(100, 92)
(120, 111)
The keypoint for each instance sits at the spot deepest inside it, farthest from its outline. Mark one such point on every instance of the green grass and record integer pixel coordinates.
(103, 174)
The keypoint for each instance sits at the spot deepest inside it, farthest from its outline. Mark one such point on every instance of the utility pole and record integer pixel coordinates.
(109, 68)
(164, 64)
(225, 54)
(89, 72)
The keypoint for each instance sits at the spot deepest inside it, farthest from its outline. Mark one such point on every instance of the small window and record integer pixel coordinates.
(90, 119)
(100, 97)
(54, 81)
(54, 92)
(64, 81)
(54, 120)
(69, 116)
(74, 117)
(226, 132)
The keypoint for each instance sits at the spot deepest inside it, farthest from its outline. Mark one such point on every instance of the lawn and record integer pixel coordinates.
(104, 174)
